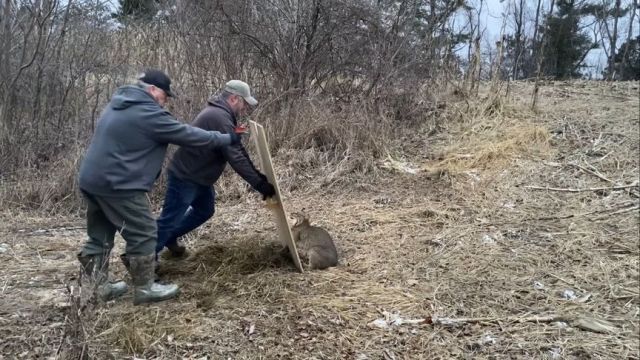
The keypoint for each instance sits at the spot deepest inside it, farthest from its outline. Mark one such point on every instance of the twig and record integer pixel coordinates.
(44, 231)
(621, 187)
(596, 174)
(64, 335)
(510, 319)
(637, 207)
(560, 217)
(567, 282)
(581, 322)
(620, 208)
(621, 97)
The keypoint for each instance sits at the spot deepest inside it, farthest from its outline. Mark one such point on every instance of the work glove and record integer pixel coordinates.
(266, 189)
(236, 135)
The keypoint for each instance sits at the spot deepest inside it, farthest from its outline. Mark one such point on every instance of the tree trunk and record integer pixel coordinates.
(519, 40)
(5, 44)
(625, 54)
(534, 40)
(612, 41)
(5, 57)
(539, 57)
(537, 21)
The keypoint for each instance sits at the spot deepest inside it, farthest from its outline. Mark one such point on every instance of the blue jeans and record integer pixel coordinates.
(187, 205)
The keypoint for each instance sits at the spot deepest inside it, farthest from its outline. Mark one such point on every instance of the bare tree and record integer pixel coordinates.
(633, 9)
(60, 61)
(519, 35)
(614, 39)
(535, 44)
(605, 13)
(45, 68)
(540, 56)
(474, 53)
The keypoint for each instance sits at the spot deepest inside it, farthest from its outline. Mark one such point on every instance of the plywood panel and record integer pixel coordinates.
(276, 205)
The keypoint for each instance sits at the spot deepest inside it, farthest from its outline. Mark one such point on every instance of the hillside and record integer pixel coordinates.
(505, 233)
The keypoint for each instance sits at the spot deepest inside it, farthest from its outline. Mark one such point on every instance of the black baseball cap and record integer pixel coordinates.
(158, 79)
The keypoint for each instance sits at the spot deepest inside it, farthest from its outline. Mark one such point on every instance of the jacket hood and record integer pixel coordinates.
(217, 101)
(129, 95)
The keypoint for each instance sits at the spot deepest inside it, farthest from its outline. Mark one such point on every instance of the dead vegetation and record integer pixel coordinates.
(463, 242)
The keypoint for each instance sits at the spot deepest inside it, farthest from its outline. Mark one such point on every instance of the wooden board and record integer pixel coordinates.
(276, 205)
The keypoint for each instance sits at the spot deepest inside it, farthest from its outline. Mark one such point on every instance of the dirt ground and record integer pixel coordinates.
(503, 233)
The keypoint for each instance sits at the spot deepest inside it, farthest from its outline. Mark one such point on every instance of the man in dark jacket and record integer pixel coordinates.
(123, 161)
(190, 197)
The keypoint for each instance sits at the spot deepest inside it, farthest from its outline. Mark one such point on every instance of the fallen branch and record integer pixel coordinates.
(594, 173)
(621, 97)
(597, 174)
(620, 209)
(637, 207)
(567, 282)
(581, 322)
(612, 188)
(45, 231)
(510, 319)
(617, 210)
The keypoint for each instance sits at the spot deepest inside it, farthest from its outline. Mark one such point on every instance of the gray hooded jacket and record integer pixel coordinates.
(130, 142)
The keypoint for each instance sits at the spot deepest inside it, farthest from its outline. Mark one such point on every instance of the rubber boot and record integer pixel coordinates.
(127, 265)
(146, 290)
(96, 269)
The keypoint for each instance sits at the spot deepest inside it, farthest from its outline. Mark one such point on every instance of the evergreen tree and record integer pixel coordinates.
(136, 10)
(627, 61)
(566, 45)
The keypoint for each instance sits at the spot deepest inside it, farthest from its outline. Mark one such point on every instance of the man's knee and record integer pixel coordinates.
(93, 247)
(141, 246)
(171, 215)
(98, 242)
(205, 212)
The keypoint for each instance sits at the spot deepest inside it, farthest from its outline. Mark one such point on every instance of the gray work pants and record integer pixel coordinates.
(130, 215)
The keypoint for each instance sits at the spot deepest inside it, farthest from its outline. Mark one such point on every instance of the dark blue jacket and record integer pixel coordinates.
(204, 166)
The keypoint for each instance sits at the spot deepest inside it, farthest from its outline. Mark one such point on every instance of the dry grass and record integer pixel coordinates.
(52, 189)
(497, 148)
(472, 243)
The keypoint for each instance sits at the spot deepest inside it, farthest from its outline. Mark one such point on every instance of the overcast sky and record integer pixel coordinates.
(491, 20)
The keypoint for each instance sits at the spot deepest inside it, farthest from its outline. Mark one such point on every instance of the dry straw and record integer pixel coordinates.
(460, 258)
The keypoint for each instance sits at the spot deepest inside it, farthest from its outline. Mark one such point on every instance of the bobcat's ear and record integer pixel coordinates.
(297, 217)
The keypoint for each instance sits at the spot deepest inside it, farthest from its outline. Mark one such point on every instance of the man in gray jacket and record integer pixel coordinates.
(190, 197)
(123, 161)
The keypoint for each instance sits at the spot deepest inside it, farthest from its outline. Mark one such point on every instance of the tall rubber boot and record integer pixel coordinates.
(95, 268)
(146, 290)
(125, 261)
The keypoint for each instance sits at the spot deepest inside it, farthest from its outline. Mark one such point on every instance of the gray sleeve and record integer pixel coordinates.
(164, 128)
